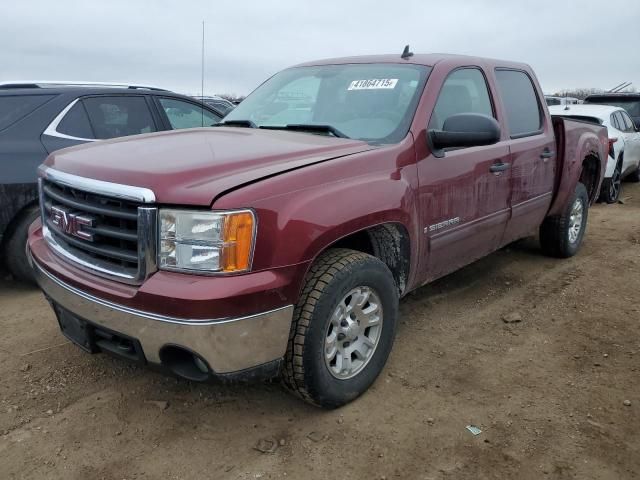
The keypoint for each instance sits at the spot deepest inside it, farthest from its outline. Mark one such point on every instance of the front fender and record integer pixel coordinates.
(311, 208)
(308, 221)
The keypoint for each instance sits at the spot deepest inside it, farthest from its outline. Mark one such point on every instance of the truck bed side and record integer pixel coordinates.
(581, 156)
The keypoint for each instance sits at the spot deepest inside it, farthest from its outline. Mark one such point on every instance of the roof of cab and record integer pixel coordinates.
(428, 59)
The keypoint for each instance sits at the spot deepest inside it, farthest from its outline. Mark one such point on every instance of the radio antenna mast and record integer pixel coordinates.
(202, 76)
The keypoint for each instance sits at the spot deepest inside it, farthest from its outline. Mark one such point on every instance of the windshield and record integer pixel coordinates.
(370, 102)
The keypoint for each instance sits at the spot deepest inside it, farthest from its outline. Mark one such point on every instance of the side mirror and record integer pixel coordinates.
(465, 130)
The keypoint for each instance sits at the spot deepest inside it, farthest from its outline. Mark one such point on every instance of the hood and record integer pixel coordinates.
(192, 167)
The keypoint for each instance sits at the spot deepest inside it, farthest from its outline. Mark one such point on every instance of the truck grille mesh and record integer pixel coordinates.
(107, 233)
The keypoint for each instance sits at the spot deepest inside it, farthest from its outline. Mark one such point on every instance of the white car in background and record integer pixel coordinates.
(624, 143)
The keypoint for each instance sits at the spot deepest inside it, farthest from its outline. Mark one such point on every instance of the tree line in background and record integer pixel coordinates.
(582, 93)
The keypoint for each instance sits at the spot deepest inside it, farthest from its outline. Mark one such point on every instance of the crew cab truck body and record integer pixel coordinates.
(280, 241)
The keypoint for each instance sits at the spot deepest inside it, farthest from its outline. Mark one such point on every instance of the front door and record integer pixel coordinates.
(464, 193)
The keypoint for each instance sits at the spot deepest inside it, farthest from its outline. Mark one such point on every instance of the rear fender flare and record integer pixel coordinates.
(587, 146)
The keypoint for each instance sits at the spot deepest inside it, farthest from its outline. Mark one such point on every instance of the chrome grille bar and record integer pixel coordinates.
(119, 240)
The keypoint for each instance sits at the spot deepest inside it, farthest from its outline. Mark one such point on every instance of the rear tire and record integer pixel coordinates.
(343, 328)
(612, 187)
(15, 246)
(561, 236)
(635, 176)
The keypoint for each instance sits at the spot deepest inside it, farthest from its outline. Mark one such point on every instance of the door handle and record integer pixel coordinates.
(546, 153)
(499, 167)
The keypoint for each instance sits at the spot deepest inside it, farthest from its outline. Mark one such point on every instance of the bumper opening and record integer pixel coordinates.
(185, 363)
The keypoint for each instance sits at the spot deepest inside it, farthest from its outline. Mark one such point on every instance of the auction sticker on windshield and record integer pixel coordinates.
(373, 84)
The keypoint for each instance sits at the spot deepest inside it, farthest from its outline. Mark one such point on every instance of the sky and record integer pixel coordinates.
(570, 44)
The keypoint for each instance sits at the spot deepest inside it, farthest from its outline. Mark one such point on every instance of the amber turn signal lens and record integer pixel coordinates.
(238, 240)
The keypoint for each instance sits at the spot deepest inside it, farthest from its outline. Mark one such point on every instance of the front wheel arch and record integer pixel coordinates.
(389, 242)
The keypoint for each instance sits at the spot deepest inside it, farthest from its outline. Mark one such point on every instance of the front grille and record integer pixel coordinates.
(107, 235)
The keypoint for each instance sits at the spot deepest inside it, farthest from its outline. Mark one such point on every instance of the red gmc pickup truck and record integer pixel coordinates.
(280, 241)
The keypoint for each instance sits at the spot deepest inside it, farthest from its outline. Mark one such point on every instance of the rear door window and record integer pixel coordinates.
(524, 115)
(628, 123)
(614, 121)
(619, 122)
(16, 107)
(118, 116)
(183, 114)
(76, 123)
(464, 91)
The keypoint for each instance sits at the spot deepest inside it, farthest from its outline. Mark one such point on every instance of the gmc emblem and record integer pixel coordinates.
(72, 223)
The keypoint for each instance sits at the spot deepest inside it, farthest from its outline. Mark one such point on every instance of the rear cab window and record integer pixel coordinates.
(521, 103)
(15, 107)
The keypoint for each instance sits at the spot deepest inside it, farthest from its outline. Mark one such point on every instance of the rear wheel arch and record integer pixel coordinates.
(590, 176)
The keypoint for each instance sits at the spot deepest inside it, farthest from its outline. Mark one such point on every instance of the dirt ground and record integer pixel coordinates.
(550, 393)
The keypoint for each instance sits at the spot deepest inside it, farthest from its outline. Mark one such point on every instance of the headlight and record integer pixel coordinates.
(197, 241)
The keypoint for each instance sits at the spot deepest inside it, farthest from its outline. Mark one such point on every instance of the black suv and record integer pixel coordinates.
(629, 101)
(38, 118)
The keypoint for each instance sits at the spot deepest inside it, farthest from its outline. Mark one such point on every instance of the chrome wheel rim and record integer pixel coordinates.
(575, 220)
(353, 333)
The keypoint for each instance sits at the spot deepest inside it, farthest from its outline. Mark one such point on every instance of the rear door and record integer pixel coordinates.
(532, 152)
(464, 193)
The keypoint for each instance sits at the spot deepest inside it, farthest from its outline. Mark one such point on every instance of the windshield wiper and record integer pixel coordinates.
(236, 123)
(307, 127)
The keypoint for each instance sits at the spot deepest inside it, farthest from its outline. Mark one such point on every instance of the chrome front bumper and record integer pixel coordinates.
(228, 345)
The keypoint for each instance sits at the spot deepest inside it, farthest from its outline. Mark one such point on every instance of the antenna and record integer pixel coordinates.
(406, 54)
(202, 75)
(617, 86)
(622, 87)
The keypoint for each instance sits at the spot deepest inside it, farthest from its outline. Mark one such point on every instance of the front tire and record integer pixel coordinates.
(561, 236)
(343, 328)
